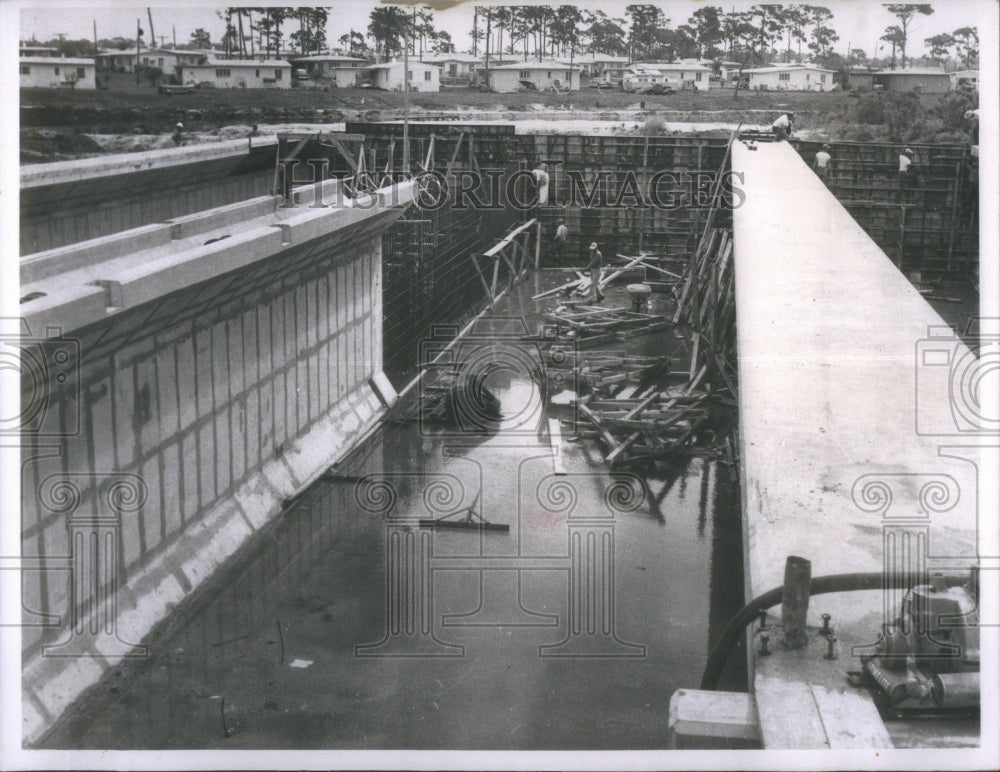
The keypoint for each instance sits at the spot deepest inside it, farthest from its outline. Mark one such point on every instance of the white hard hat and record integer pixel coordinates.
(180, 125)
(593, 245)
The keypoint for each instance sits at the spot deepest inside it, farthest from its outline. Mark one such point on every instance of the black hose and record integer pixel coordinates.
(822, 585)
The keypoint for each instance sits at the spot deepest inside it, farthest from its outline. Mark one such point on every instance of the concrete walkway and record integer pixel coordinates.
(848, 431)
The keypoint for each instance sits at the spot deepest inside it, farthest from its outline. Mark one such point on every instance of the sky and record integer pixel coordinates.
(858, 22)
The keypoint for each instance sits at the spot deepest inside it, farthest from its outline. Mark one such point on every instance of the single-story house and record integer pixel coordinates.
(728, 72)
(677, 75)
(53, 72)
(596, 65)
(860, 79)
(788, 77)
(238, 73)
(170, 60)
(927, 80)
(341, 70)
(542, 75)
(965, 79)
(118, 61)
(389, 76)
(453, 66)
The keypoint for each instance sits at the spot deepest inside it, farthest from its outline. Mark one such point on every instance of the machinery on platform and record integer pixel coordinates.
(927, 660)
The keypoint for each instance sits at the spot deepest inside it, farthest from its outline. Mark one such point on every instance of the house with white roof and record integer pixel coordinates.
(170, 60)
(595, 65)
(542, 76)
(117, 61)
(25, 49)
(642, 76)
(55, 72)
(389, 76)
(238, 73)
(341, 70)
(454, 66)
(788, 77)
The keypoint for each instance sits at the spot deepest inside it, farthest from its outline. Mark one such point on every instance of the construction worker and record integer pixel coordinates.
(823, 163)
(905, 173)
(178, 135)
(541, 176)
(562, 233)
(782, 127)
(594, 266)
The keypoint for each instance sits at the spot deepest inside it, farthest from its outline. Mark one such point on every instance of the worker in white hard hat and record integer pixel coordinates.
(178, 135)
(594, 267)
(906, 170)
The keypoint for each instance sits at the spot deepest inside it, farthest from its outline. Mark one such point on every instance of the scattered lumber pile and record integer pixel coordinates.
(644, 267)
(660, 426)
(603, 373)
(595, 325)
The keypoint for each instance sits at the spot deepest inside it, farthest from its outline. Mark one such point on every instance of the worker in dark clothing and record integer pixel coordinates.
(782, 127)
(178, 135)
(562, 233)
(594, 266)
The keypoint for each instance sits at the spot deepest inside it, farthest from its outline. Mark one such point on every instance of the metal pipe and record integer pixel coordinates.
(871, 580)
(795, 601)
(956, 690)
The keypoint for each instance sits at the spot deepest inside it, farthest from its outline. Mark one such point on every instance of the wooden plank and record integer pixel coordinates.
(555, 440)
(496, 273)
(850, 719)
(538, 243)
(789, 718)
(603, 433)
(605, 280)
(499, 246)
(482, 278)
(692, 370)
(555, 290)
(694, 384)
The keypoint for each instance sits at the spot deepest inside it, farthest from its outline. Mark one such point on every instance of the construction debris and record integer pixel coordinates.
(640, 408)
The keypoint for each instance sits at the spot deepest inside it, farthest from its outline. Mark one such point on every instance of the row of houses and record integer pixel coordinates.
(40, 67)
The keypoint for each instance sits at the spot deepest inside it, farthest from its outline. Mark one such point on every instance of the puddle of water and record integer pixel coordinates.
(570, 630)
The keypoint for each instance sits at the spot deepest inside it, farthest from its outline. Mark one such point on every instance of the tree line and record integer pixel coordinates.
(762, 33)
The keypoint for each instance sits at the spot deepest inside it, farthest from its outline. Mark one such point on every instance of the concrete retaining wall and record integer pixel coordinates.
(194, 417)
(73, 201)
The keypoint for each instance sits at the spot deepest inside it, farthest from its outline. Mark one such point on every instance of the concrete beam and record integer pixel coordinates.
(41, 175)
(833, 395)
(143, 264)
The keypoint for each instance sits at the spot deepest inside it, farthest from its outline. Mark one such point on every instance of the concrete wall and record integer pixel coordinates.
(74, 201)
(195, 417)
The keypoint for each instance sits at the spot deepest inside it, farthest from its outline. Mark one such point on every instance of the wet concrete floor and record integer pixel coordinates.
(345, 625)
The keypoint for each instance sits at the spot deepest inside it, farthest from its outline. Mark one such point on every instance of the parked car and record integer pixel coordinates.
(299, 74)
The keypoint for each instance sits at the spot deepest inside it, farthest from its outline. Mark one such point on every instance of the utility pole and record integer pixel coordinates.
(174, 28)
(152, 32)
(138, 40)
(406, 103)
(95, 43)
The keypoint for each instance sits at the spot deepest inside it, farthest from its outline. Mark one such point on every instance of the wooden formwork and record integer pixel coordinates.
(927, 226)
